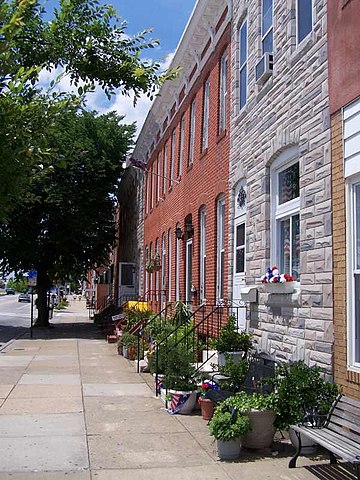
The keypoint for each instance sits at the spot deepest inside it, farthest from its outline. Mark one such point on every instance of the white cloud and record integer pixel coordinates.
(98, 101)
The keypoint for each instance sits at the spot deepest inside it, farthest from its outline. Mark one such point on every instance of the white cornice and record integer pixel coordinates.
(199, 29)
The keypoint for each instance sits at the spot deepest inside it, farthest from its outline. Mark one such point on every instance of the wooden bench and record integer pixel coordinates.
(339, 435)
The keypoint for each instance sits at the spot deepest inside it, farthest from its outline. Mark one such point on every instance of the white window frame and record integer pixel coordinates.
(243, 65)
(157, 273)
(163, 267)
(286, 210)
(298, 42)
(146, 273)
(241, 221)
(353, 327)
(189, 269)
(147, 200)
(192, 132)
(150, 274)
(165, 166)
(181, 145)
(177, 266)
(270, 29)
(223, 92)
(202, 288)
(220, 248)
(205, 119)
(169, 264)
(152, 186)
(158, 176)
(172, 158)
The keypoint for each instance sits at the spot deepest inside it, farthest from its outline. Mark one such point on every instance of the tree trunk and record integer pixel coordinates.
(43, 285)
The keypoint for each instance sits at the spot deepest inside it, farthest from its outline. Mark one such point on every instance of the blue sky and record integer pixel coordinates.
(167, 18)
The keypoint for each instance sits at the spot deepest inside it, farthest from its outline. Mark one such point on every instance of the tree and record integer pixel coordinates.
(88, 42)
(66, 225)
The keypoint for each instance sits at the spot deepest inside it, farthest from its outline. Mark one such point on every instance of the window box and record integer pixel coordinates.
(281, 288)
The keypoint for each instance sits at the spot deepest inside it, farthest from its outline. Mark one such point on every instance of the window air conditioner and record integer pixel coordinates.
(264, 68)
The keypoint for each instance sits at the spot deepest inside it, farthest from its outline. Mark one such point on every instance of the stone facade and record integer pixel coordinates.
(287, 113)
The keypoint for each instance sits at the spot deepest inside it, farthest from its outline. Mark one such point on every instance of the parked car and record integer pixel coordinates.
(9, 291)
(24, 297)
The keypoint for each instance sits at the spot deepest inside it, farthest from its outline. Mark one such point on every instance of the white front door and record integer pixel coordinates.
(127, 287)
(239, 270)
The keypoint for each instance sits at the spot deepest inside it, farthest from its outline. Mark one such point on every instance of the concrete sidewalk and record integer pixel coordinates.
(71, 408)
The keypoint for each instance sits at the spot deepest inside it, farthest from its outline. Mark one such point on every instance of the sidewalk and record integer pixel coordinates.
(71, 408)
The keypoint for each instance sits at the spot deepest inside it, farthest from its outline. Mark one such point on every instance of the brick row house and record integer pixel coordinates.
(344, 91)
(185, 143)
(241, 175)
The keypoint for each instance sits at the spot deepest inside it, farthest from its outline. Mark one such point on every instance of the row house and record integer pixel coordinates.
(239, 171)
(185, 143)
(344, 92)
(280, 173)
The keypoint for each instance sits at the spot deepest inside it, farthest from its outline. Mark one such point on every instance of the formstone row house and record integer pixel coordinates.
(251, 165)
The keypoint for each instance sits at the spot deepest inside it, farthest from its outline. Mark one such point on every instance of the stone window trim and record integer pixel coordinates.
(281, 212)
(299, 50)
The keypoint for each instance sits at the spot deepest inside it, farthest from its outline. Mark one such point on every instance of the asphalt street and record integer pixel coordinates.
(14, 318)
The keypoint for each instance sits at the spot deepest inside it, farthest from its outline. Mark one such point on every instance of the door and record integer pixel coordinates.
(239, 269)
(127, 289)
(188, 260)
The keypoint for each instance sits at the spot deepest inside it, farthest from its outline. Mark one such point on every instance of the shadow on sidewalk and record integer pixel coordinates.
(8, 332)
(85, 330)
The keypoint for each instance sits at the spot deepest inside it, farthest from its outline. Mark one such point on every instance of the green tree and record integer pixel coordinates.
(87, 42)
(66, 224)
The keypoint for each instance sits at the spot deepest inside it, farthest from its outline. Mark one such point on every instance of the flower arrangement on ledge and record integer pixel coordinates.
(273, 275)
(154, 264)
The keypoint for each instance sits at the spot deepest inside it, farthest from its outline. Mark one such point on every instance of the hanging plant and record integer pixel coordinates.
(153, 265)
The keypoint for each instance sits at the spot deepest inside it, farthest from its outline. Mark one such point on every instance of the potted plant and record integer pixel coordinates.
(261, 410)
(180, 378)
(232, 342)
(227, 426)
(303, 396)
(129, 343)
(153, 264)
(206, 404)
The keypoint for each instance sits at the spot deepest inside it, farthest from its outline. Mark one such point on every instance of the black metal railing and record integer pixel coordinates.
(202, 325)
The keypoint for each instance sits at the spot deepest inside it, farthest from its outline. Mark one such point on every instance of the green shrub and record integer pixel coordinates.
(228, 424)
(230, 340)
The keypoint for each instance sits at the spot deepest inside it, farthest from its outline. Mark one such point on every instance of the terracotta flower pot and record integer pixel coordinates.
(207, 408)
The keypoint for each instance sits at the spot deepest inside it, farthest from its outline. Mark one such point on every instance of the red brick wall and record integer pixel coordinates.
(349, 381)
(201, 183)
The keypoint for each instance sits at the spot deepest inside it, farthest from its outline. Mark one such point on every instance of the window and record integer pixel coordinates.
(353, 225)
(151, 276)
(286, 218)
(177, 266)
(157, 271)
(163, 268)
(243, 63)
(220, 249)
(165, 161)
(147, 208)
(205, 126)
(240, 248)
(304, 19)
(158, 176)
(172, 159)
(267, 26)
(181, 145)
(146, 273)
(152, 186)
(351, 129)
(169, 265)
(192, 133)
(203, 254)
(223, 92)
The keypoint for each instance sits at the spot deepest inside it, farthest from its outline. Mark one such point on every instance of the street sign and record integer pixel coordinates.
(32, 278)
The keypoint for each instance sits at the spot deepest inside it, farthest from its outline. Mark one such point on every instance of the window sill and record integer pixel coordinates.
(221, 136)
(265, 88)
(301, 49)
(241, 115)
(189, 167)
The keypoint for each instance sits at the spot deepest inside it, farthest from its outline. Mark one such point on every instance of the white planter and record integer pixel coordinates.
(262, 430)
(286, 287)
(308, 447)
(236, 357)
(229, 450)
(184, 408)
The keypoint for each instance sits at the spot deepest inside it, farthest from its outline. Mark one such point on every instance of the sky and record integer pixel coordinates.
(167, 18)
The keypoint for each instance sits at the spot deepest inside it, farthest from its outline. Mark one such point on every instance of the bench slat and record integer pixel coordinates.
(350, 401)
(349, 413)
(343, 447)
(343, 424)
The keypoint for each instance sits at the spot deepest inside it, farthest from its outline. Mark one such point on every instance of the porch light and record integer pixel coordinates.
(179, 233)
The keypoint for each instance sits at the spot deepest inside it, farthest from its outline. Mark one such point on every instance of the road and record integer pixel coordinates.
(14, 317)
